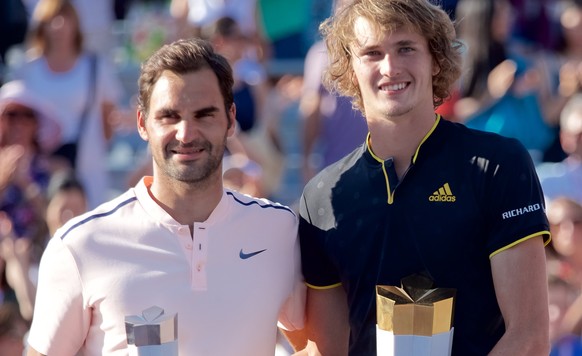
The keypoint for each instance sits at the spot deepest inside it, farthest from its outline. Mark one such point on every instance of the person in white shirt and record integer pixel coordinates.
(226, 263)
(83, 88)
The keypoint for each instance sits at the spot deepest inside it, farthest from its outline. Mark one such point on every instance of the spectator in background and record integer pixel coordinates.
(484, 26)
(66, 199)
(571, 29)
(96, 19)
(16, 268)
(228, 39)
(331, 127)
(281, 106)
(82, 87)
(501, 90)
(565, 217)
(562, 293)
(563, 65)
(28, 130)
(257, 105)
(565, 178)
(192, 15)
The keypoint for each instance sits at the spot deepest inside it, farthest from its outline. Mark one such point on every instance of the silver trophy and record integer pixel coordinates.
(152, 334)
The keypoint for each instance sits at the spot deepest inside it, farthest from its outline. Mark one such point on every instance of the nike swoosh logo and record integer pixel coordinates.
(244, 256)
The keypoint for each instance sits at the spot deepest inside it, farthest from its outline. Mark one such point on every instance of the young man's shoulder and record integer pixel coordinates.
(457, 129)
(459, 136)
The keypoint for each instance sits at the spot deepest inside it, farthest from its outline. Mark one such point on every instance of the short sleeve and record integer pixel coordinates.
(292, 315)
(318, 270)
(60, 321)
(515, 201)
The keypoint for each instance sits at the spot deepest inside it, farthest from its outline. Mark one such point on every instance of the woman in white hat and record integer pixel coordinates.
(28, 133)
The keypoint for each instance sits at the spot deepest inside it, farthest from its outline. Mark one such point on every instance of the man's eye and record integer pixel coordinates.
(373, 53)
(406, 49)
(206, 116)
(168, 117)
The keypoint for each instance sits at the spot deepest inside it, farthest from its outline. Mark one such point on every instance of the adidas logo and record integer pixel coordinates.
(444, 194)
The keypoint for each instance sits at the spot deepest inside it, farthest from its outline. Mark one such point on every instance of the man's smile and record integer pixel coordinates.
(394, 86)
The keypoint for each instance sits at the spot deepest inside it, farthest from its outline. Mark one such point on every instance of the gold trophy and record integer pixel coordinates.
(414, 319)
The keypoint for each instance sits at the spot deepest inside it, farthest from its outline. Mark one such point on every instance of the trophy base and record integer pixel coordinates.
(388, 344)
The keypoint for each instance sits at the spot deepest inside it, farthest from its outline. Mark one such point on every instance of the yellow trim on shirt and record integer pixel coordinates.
(436, 122)
(546, 241)
(381, 161)
(323, 287)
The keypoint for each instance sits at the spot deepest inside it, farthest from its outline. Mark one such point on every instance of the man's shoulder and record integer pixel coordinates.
(478, 143)
(462, 131)
(103, 215)
(251, 203)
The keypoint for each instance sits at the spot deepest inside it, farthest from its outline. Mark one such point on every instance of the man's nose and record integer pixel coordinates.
(186, 131)
(389, 66)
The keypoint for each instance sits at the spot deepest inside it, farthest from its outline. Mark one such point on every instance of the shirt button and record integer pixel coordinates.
(189, 246)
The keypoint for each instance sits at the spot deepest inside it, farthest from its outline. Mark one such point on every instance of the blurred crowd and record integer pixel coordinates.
(68, 71)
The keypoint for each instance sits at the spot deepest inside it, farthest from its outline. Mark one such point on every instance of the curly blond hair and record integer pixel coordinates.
(427, 19)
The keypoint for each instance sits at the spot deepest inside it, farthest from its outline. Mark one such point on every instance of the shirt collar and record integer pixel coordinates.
(370, 153)
(157, 213)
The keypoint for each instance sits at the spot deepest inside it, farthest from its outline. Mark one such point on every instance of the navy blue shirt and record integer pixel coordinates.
(466, 196)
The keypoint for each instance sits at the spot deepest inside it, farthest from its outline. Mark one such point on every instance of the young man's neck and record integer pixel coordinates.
(392, 137)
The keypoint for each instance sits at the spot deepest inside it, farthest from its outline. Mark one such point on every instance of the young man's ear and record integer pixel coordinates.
(436, 68)
(141, 123)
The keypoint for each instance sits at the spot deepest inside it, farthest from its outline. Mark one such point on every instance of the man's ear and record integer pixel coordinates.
(436, 68)
(231, 116)
(141, 125)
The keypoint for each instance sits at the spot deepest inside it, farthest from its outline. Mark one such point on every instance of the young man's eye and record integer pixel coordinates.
(373, 53)
(406, 49)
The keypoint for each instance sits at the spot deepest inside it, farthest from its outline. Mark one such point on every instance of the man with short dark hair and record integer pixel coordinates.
(227, 264)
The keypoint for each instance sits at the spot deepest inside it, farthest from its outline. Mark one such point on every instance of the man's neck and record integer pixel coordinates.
(186, 202)
(399, 139)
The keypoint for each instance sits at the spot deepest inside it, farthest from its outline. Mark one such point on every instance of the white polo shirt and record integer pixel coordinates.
(229, 285)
